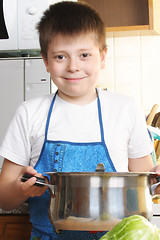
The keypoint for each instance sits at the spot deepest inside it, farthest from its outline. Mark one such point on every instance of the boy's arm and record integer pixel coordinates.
(143, 164)
(13, 192)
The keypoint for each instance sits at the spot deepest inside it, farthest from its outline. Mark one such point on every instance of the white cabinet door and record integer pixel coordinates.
(37, 79)
(11, 92)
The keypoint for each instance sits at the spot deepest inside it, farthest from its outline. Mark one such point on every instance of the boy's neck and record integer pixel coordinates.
(78, 100)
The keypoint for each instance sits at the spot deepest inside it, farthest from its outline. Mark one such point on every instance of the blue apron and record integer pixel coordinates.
(63, 156)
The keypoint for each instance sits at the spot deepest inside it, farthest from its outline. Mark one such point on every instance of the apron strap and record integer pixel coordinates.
(100, 117)
(49, 115)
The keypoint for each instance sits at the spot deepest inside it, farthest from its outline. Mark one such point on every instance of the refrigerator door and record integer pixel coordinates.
(11, 92)
(37, 79)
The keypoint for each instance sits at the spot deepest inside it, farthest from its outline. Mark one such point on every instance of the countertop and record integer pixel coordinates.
(21, 210)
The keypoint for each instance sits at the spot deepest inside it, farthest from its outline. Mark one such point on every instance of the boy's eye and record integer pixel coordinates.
(60, 57)
(84, 55)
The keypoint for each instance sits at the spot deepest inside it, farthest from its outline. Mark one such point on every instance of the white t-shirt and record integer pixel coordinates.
(125, 131)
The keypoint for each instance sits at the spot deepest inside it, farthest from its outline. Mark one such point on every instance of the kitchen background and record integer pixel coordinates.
(132, 67)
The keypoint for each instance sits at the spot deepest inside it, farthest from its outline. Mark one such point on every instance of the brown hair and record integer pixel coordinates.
(69, 18)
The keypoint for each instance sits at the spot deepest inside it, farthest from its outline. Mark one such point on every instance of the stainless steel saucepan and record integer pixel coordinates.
(97, 201)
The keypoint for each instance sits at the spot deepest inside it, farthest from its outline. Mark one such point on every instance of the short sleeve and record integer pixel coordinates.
(140, 143)
(16, 145)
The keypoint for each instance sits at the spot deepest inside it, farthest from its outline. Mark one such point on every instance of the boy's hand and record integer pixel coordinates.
(28, 188)
(13, 192)
(154, 179)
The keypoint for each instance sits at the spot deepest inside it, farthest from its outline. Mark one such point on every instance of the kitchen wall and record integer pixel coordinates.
(133, 66)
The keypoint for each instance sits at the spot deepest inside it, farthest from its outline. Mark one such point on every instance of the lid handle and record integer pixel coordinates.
(100, 167)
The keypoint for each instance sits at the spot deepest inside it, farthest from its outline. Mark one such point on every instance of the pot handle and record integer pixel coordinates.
(39, 182)
(153, 186)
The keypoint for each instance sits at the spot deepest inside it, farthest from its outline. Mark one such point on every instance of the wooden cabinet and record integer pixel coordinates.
(15, 227)
(125, 15)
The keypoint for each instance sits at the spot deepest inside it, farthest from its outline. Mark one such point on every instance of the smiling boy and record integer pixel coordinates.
(75, 128)
(74, 63)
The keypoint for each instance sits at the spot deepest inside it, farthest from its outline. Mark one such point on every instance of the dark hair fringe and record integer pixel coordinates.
(69, 18)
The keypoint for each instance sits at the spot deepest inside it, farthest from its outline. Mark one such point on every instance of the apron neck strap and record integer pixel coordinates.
(99, 116)
(49, 115)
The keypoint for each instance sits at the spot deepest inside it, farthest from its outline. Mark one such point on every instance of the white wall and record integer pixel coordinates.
(133, 66)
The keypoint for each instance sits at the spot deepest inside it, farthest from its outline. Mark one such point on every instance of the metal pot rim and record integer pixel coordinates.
(107, 174)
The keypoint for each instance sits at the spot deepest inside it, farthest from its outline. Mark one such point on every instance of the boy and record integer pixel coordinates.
(77, 127)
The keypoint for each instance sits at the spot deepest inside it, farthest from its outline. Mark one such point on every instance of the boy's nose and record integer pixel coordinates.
(73, 66)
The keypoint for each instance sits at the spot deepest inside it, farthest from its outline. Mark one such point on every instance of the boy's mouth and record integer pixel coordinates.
(75, 79)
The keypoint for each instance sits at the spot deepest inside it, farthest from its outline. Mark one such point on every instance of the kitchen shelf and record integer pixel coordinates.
(126, 15)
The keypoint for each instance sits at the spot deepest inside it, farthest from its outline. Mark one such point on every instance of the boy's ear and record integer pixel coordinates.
(103, 57)
(45, 62)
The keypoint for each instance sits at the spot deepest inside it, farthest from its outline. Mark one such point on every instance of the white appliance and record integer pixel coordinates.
(37, 79)
(20, 79)
(11, 92)
(156, 215)
(18, 19)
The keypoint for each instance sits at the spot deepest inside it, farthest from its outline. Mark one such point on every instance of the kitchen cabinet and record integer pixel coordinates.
(125, 15)
(37, 79)
(156, 214)
(15, 227)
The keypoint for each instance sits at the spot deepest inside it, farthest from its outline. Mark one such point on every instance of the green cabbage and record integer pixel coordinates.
(133, 228)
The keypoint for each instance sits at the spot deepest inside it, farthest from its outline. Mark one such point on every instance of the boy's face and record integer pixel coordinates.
(74, 63)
